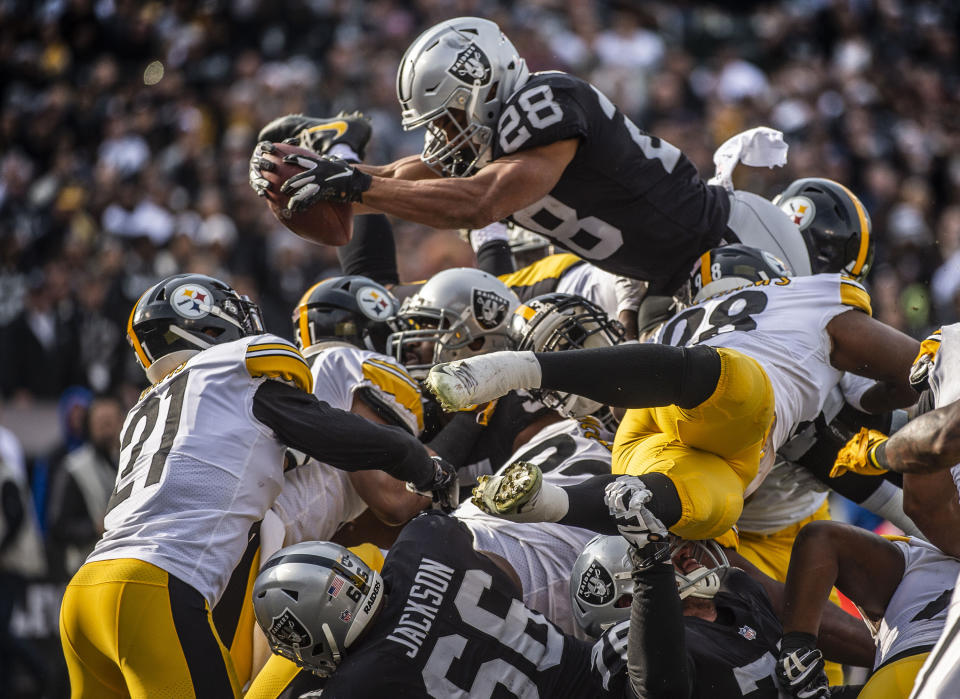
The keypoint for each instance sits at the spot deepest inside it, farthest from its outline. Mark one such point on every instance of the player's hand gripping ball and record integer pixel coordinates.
(317, 219)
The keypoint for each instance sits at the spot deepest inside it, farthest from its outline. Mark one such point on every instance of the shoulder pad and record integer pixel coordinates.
(393, 379)
(273, 357)
(854, 295)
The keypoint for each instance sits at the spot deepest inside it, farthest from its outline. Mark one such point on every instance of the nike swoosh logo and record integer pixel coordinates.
(342, 174)
(339, 126)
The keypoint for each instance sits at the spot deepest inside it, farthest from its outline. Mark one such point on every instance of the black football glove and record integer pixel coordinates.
(444, 487)
(320, 134)
(800, 667)
(324, 179)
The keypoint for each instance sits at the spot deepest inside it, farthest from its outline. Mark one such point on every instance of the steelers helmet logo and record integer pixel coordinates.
(191, 300)
(374, 304)
(596, 586)
(800, 210)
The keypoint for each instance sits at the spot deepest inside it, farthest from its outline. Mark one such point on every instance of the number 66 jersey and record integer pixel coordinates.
(781, 323)
(196, 467)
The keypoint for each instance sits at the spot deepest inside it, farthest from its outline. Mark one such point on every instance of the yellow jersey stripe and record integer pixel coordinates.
(273, 346)
(864, 230)
(705, 269)
(550, 267)
(400, 388)
(397, 371)
(281, 366)
(929, 347)
(852, 294)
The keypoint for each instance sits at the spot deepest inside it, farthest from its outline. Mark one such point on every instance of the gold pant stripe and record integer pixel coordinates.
(894, 681)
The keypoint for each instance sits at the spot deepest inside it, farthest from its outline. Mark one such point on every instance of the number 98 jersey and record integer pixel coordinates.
(781, 323)
(196, 467)
(628, 202)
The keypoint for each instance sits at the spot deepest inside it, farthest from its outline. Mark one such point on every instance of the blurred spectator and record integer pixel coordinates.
(81, 486)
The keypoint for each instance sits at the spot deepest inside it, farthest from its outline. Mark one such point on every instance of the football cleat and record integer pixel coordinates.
(511, 493)
(320, 134)
(475, 380)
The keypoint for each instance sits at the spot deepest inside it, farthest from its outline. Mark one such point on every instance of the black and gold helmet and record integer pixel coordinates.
(834, 223)
(183, 315)
(351, 309)
(729, 267)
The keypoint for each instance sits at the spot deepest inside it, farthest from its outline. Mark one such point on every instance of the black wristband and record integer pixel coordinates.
(878, 455)
(793, 640)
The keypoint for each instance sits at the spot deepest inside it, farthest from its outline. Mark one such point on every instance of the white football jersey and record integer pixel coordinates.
(543, 553)
(917, 611)
(196, 468)
(316, 498)
(593, 284)
(781, 323)
(944, 377)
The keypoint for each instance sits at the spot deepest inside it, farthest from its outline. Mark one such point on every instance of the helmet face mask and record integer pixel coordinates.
(458, 313)
(834, 223)
(313, 601)
(556, 322)
(352, 308)
(183, 315)
(454, 79)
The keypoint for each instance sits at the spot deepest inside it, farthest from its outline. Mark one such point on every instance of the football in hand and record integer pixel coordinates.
(324, 222)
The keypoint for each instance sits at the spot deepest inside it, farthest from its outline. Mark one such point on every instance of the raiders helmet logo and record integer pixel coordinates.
(489, 308)
(289, 631)
(191, 301)
(471, 66)
(596, 586)
(800, 210)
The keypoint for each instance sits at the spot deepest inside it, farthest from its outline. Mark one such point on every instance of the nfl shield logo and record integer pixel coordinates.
(471, 66)
(346, 616)
(747, 632)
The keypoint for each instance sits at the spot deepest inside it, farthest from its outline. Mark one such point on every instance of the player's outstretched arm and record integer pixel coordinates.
(867, 568)
(625, 376)
(342, 439)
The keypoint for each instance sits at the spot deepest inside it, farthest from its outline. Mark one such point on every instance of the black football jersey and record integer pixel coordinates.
(453, 625)
(731, 657)
(628, 202)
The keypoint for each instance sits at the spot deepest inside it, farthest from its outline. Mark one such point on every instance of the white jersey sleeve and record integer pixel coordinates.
(593, 284)
(942, 350)
(917, 611)
(781, 323)
(543, 553)
(196, 468)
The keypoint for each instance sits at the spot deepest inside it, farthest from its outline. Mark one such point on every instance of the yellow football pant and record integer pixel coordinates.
(771, 554)
(710, 453)
(894, 681)
(130, 629)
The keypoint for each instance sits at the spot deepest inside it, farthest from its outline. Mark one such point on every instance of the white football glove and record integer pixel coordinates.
(800, 671)
(626, 498)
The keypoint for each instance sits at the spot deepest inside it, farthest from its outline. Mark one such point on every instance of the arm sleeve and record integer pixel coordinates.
(657, 660)
(494, 257)
(12, 508)
(456, 440)
(371, 252)
(340, 438)
(69, 521)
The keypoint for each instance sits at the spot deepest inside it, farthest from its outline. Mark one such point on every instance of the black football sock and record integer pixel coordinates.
(634, 375)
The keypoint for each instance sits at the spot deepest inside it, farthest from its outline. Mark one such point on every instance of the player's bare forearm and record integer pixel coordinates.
(926, 444)
(930, 500)
(883, 397)
(408, 168)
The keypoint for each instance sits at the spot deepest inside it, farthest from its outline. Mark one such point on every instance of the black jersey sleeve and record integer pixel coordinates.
(548, 108)
(340, 438)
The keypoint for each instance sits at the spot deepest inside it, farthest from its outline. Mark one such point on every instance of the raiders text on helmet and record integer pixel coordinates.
(313, 600)
(183, 315)
(453, 80)
(834, 224)
(352, 309)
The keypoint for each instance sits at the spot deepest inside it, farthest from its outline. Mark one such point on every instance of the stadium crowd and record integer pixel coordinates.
(126, 128)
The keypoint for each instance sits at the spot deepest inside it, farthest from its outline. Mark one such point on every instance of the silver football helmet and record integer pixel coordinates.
(555, 322)
(601, 583)
(463, 311)
(453, 80)
(312, 600)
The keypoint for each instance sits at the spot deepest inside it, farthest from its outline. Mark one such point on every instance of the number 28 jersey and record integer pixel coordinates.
(197, 469)
(629, 202)
(782, 324)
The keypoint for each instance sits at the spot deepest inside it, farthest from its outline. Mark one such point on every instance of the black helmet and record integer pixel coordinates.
(834, 224)
(351, 308)
(729, 267)
(184, 314)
